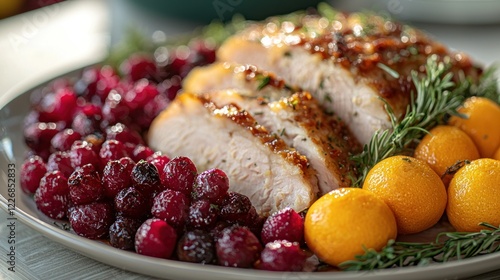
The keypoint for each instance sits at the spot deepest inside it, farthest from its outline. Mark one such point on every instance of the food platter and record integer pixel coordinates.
(12, 150)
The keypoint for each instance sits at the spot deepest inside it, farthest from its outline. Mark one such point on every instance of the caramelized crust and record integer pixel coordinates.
(245, 120)
(377, 51)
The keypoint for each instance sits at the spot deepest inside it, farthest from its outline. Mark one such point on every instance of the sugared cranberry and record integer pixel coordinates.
(285, 224)
(172, 207)
(159, 160)
(179, 174)
(236, 208)
(211, 185)
(238, 247)
(38, 135)
(140, 94)
(32, 171)
(202, 215)
(58, 106)
(139, 66)
(123, 134)
(95, 140)
(255, 221)
(170, 87)
(92, 220)
(155, 238)
(142, 152)
(85, 185)
(96, 82)
(122, 232)
(60, 161)
(63, 140)
(116, 176)
(115, 109)
(132, 203)
(145, 177)
(111, 150)
(154, 107)
(282, 255)
(197, 247)
(179, 59)
(86, 123)
(81, 153)
(52, 196)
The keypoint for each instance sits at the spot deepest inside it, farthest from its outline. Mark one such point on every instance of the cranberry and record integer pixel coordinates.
(111, 150)
(171, 87)
(95, 141)
(202, 215)
(154, 107)
(179, 174)
(86, 123)
(85, 185)
(172, 207)
(32, 171)
(92, 220)
(139, 66)
(206, 50)
(107, 81)
(90, 109)
(155, 238)
(212, 185)
(115, 109)
(179, 59)
(255, 221)
(86, 85)
(81, 153)
(116, 176)
(123, 134)
(60, 161)
(197, 247)
(58, 106)
(96, 82)
(216, 231)
(140, 94)
(132, 203)
(38, 135)
(145, 177)
(159, 161)
(282, 255)
(285, 224)
(63, 140)
(236, 208)
(52, 196)
(122, 232)
(142, 152)
(238, 247)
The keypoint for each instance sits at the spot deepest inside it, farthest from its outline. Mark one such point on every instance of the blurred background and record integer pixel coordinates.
(40, 39)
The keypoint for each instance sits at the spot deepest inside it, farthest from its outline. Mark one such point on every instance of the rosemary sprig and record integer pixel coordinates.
(447, 246)
(435, 98)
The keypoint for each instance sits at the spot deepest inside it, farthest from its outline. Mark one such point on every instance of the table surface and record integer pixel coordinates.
(49, 42)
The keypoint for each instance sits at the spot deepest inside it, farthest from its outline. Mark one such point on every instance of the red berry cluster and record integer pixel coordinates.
(89, 164)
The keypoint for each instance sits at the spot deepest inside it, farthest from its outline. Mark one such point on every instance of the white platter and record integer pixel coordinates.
(12, 149)
(434, 11)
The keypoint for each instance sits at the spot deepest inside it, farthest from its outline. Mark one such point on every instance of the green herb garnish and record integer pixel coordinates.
(437, 97)
(447, 246)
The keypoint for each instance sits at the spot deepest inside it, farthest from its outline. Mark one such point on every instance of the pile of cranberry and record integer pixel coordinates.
(88, 163)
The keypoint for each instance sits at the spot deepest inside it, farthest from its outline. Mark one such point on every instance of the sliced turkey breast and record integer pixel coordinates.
(258, 164)
(350, 63)
(293, 115)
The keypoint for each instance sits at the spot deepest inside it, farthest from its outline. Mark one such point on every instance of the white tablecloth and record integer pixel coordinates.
(31, 49)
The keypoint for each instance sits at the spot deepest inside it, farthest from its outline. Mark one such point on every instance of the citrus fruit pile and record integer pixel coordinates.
(453, 174)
